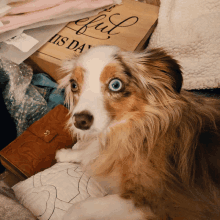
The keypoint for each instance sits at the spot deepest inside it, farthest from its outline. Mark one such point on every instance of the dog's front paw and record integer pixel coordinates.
(76, 146)
(69, 155)
(62, 155)
(76, 212)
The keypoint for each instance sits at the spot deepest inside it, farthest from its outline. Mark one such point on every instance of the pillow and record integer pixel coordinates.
(50, 193)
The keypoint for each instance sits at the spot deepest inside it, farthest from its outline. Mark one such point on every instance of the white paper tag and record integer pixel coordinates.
(23, 42)
(4, 9)
(1, 24)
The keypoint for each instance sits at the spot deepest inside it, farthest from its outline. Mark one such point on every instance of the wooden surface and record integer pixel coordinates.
(128, 26)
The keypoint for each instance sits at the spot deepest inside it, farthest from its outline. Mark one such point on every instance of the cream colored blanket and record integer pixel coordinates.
(190, 31)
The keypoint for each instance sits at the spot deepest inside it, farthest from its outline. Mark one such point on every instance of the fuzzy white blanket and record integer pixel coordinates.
(189, 30)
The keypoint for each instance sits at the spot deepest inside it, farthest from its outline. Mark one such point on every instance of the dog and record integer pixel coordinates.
(140, 130)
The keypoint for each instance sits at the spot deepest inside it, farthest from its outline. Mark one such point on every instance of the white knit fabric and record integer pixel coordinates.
(189, 30)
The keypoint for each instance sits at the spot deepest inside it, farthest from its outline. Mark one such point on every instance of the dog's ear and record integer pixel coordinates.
(66, 71)
(64, 81)
(158, 60)
(157, 65)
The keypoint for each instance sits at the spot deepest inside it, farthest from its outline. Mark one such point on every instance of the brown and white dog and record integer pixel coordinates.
(160, 144)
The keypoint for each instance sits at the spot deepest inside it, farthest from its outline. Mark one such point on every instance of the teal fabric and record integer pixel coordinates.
(48, 89)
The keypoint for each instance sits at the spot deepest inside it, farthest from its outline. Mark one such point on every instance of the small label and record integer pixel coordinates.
(4, 9)
(1, 24)
(23, 42)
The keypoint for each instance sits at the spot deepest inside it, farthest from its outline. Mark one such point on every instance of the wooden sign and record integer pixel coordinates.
(128, 26)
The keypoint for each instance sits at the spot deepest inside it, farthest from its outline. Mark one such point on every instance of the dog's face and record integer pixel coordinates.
(105, 85)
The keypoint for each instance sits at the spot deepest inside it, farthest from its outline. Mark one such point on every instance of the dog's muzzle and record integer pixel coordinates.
(83, 120)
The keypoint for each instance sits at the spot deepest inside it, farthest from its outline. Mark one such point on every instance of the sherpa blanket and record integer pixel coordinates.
(189, 30)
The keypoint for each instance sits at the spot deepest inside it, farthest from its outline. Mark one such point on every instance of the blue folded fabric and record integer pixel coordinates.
(48, 89)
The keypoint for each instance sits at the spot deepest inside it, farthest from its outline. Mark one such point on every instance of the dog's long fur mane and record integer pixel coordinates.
(161, 152)
(166, 151)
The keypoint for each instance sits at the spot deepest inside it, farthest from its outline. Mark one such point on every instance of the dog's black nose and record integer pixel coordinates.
(83, 120)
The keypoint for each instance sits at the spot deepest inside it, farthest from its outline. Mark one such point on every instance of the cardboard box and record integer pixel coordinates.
(128, 26)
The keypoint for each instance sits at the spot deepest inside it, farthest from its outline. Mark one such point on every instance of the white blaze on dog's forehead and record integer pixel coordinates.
(91, 99)
(93, 62)
(100, 56)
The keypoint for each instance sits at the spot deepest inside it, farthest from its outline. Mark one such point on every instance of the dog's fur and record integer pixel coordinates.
(161, 142)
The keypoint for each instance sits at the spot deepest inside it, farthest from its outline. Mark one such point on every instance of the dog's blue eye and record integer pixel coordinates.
(115, 85)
